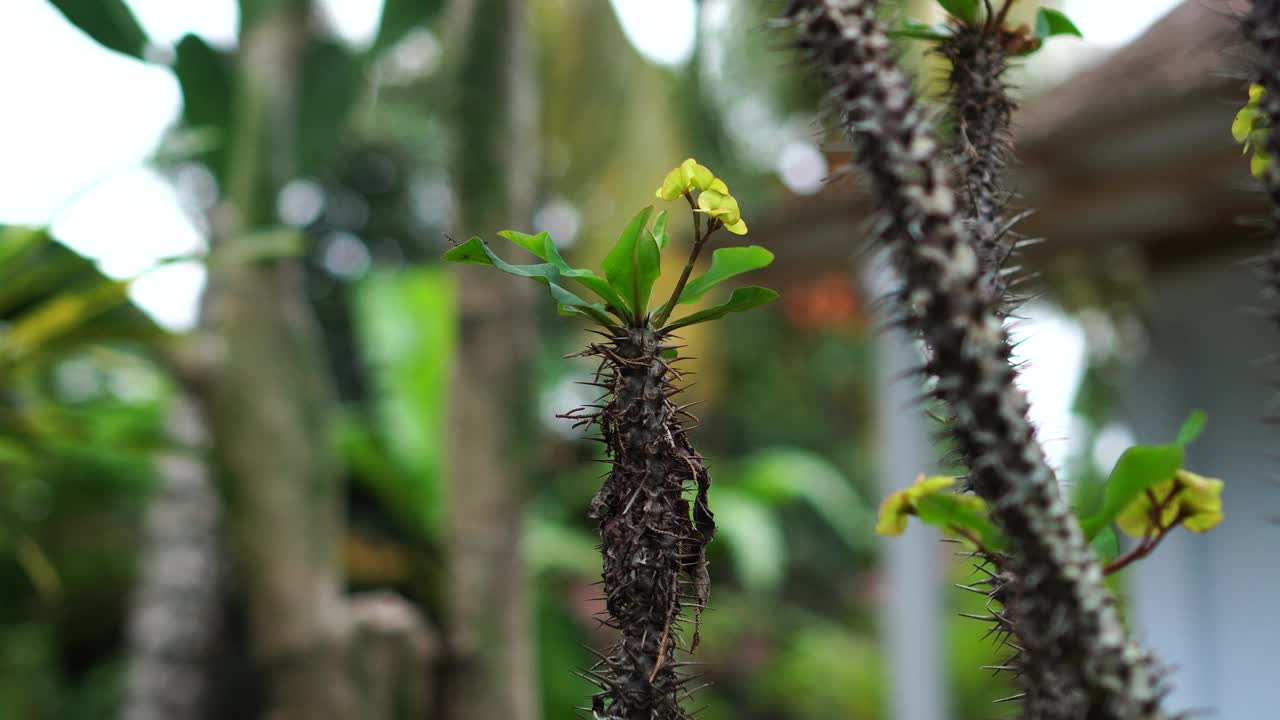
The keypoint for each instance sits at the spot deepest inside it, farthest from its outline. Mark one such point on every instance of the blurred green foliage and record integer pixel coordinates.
(791, 632)
(80, 417)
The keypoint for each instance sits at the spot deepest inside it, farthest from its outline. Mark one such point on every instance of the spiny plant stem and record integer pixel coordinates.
(981, 111)
(649, 538)
(1070, 619)
(1261, 27)
(700, 239)
(999, 19)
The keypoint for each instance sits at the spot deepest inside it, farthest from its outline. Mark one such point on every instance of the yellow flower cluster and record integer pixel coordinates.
(713, 195)
(1185, 498)
(895, 508)
(1251, 129)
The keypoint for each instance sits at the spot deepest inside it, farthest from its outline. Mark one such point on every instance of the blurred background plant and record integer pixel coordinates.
(320, 172)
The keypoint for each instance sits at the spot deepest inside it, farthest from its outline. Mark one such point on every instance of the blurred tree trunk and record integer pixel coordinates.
(268, 399)
(174, 618)
(490, 672)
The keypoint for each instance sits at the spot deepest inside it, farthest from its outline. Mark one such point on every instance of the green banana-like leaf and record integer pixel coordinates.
(205, 75)
(399, 17)
(406, 324)
(109, 22)
(756, 543)
(58, 317)
(329, 88)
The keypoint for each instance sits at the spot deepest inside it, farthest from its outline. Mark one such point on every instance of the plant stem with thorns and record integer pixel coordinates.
(1261, 27)
(649, 538)
(1069, 620)
(981, 111)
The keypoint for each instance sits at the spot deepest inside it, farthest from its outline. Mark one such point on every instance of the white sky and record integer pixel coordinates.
(80, 122)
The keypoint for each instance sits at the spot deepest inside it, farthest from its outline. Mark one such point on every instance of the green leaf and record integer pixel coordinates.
(109, 22)
(206, 78)
(406, 325)
(1050, 22)
(966, 10)
(787, 475)
(1139, 468)
(628, 267)
(252, 12)
(543, 246)
(1243, 126)
(660, 230)
(966, 512)
(58, 317)
(476, 252)
(1106, 544)
(921, 31)
(756, 544)
(648, 268)
(741, 300)
(553, 544)
(536, 244)
(726, 263)
(401, 16)
(1192, 427)
(329, 87)
(1260, 162)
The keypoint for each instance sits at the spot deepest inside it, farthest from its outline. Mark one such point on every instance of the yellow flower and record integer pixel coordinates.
(895, 508)
(1201, 501)
(1259, 163)
(689, 176)
(723, 207)
(1250, 128)
(1196, 503)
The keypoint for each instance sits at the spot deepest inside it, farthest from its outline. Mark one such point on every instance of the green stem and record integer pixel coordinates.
(1150, 540)
(700, 239)
(1004, 14)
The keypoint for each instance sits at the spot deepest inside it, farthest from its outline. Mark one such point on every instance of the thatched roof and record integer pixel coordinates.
(1136, 149)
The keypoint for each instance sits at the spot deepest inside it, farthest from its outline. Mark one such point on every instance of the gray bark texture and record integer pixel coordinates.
(490, 669)
(175, 612)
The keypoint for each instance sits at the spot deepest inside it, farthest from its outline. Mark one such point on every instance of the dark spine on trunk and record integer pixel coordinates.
(652, 543)
(981, 112)
(980, 109)
(1068, 618)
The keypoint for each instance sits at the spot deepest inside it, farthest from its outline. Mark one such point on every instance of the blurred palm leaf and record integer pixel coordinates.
(405, 324)
(399, 17)
(789, 475)
(53, 300)
(110, 22)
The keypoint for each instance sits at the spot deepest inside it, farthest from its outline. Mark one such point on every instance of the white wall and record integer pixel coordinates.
(1209, 605)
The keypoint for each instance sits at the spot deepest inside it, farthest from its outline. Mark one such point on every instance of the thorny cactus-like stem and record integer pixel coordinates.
(1069, 619)
(981, 111)
(651, 544)
(1261, 27)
